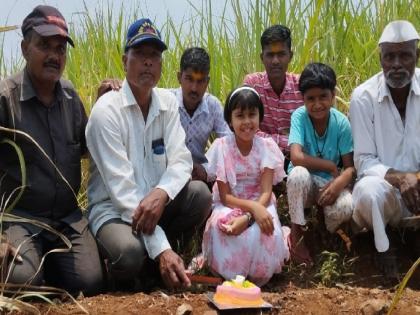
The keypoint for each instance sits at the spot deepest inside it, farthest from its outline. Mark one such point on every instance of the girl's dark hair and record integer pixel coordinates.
(317, 75)
(243, 99)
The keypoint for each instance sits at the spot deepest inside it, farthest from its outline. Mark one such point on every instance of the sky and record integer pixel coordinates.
(12, 12)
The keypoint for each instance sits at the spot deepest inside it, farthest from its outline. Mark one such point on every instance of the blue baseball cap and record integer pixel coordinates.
(143, 31)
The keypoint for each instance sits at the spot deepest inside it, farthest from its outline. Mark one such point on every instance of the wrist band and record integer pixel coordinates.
(250, 218)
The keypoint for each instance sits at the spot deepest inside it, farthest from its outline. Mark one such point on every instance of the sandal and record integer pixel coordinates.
(386, 262)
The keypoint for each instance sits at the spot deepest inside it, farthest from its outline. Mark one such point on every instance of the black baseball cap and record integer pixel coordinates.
(46, 21)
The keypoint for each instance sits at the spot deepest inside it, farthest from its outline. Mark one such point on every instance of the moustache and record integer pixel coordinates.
(193, 94)
(52, 64)
(398, 73)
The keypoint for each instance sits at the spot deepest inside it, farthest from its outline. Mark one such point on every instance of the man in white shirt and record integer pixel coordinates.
(385, 119)
(201, 113)
(140, 194)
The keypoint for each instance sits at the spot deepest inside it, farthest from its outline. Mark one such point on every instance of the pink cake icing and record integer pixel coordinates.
(238, 292)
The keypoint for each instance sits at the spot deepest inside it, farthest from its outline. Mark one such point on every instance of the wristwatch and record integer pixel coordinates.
(250, 218)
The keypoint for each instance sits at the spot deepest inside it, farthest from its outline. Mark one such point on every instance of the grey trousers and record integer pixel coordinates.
(77, 270)
(126, 253)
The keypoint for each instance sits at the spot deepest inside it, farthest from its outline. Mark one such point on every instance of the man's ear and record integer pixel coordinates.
(124, 60)
(261, 56)
(291, 54)
(24, 47)
(179, 75)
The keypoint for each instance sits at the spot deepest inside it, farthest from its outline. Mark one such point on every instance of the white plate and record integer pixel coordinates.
(210, 296)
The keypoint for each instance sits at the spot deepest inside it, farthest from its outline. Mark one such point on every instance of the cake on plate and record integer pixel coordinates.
(238, 292)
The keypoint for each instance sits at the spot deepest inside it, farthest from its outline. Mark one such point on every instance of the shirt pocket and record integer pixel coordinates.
(159, 166)
(73, 152)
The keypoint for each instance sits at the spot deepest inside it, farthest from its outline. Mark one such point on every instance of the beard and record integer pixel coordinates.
(403, 78)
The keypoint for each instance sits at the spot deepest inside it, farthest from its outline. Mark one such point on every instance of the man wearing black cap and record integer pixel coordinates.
(37, 102)
(141, 199)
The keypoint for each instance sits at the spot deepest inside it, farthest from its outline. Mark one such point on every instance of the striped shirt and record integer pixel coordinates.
(207, 118)
(277, 108)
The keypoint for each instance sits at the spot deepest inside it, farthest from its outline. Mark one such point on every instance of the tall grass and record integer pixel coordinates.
(343, 34)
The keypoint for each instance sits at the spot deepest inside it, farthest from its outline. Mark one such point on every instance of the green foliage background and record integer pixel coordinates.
(343, 34)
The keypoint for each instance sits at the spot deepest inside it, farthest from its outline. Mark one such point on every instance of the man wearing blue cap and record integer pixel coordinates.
(385, 119)
(141, 199)
(37, 102)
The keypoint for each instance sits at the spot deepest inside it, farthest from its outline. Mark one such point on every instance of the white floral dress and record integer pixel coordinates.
(252, 254)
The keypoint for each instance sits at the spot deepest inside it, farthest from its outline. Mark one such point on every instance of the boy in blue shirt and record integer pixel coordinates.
(320, 140)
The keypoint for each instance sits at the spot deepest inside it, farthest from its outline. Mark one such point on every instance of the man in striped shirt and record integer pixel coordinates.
(278, 89)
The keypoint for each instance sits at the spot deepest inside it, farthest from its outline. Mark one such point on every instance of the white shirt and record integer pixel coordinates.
(124, 167)
(381, 139)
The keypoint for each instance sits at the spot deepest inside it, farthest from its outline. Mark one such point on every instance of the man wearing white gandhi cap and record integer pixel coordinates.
(385, 120)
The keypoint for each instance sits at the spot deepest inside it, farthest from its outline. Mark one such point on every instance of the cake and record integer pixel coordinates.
(238, 292)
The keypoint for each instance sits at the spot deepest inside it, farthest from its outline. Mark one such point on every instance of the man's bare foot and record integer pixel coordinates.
(298, 250)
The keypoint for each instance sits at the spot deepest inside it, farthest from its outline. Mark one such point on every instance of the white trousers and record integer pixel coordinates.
(376, 204)
(302, 192)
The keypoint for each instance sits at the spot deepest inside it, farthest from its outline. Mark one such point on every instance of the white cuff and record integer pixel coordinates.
(156, 243)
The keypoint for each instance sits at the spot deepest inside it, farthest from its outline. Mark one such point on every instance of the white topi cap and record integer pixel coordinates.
(398, 32)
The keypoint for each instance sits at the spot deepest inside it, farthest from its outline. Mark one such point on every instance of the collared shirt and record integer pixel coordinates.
(381, 139)
(207, 118)
(59, 131)
(130, 157)
(277, 108)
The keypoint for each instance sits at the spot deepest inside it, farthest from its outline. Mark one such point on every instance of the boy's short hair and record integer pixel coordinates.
(196, 58)
(244, 99)
(276, 33)
(317, 75)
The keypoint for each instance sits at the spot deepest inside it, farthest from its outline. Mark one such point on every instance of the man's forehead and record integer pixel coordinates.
(196, 74)
(276, 47)
(49, 39)
(402, 46)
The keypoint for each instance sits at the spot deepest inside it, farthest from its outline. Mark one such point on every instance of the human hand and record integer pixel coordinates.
(263, 218)
(7, 254)
(149, 211)
(328, 194)
(108, 85)
(199, 172)
(172, 270)
(236, 225)
(409, 187)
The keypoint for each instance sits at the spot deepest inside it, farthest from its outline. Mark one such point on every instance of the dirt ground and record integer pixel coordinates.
(341, 283)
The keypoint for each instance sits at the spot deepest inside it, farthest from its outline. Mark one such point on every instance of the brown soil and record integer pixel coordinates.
(296, 291)
(340, 282)
(290, 300)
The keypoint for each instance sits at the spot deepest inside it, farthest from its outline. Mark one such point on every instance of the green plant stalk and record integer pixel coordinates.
(402, 286)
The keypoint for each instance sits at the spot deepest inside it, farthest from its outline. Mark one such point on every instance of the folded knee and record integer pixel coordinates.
(129, 261)
(298, 177)
(22, 275)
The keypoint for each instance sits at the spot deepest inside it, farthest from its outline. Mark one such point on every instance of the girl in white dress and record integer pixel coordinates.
(244, 236)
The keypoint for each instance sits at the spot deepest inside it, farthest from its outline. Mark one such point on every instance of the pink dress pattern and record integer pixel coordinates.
(252, 253)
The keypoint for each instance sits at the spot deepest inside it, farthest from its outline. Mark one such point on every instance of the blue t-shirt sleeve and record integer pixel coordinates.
(345, 143)
(297, 127)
